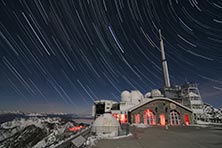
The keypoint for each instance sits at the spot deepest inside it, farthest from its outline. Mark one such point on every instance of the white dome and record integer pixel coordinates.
(106, 120)
(148, 95)
(136, 96)
(156, 93)
(125, 96)
(106, 124)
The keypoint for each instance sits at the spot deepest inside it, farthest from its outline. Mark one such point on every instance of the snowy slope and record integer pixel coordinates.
(212, 113)
(34, 132)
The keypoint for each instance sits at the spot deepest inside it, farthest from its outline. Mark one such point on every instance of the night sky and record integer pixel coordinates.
(60, 55)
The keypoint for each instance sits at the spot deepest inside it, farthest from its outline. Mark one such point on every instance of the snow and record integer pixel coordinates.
(56, 129)
(91, 141)
(124, 136)
(22, 123)
(50, 139)
(141, 125)
(207, 123)
(212, 113)
(10, 112)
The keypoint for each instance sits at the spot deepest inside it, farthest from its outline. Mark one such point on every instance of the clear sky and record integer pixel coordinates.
(59, 56)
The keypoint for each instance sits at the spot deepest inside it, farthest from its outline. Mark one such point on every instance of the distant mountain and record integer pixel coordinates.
(2, 112)
(31, 113)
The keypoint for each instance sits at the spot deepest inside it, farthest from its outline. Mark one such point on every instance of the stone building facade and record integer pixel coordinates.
(160, 111)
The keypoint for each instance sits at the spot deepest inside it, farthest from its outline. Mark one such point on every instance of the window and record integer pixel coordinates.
(149, 117)
(174, 118)
(162, 120)
(186, 119)
(123, 118)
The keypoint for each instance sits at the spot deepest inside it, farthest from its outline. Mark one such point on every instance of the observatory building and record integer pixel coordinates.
(170, 105)
(150, 109)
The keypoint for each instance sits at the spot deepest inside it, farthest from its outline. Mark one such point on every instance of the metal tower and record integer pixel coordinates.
(164, 63)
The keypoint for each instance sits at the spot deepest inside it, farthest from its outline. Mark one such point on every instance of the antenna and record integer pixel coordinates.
(164, 63)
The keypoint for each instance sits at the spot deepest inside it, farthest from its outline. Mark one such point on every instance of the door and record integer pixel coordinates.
(162, 120)
(186, 119)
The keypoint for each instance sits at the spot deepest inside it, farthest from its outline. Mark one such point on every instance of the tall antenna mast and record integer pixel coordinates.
(164, 63)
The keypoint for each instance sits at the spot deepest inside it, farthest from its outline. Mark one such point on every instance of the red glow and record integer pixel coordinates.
(162, 120)
(123, 118)
(186, 119)
(116, 116)
(137, 118)
(149, 117)
(75, 128)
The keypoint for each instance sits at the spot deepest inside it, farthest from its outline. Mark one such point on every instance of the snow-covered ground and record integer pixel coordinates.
(92, 140)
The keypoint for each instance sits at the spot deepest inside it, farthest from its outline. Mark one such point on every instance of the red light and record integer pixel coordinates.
(186, 119)
(75, 128)
(162, 120)
(116, 116)
(150, 117)
(123, 118)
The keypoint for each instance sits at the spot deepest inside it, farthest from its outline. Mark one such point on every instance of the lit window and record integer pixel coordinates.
(149, 117)
(186, 119)
(162, 120)
(123, 118)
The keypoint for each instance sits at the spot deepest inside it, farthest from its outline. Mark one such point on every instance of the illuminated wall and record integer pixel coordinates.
(161, 112)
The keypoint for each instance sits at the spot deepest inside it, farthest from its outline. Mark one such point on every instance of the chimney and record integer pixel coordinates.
(164, 63)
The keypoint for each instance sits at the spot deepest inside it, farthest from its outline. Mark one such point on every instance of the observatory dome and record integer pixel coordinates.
(136, 96)
(125, 96)
(106, 124)
(156, 93)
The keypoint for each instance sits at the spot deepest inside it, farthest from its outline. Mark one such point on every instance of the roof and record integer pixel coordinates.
(104, 101)
(156, 99)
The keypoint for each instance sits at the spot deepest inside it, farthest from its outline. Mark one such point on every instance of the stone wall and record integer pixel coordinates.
(159, 107)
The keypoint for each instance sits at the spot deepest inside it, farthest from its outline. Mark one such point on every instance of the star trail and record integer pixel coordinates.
(61, 55)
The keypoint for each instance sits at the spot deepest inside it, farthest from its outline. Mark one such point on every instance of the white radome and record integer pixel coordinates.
(106, 124)
(136, 96)
(156, 93)
(125, 96)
